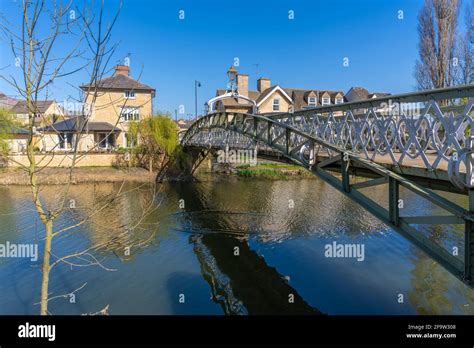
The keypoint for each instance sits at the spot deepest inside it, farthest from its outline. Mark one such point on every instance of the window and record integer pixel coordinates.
(339, 100)
(276, 104)
(129, 140)
(326, 101)
(130, 113)
(129, 94)
(105, 140)
(312, 101)
(65, 141)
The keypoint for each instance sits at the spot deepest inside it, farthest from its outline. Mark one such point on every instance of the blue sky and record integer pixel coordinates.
(305, 52)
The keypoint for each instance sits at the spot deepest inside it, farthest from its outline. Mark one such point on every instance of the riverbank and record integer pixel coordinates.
(60, 176)
(265, 170)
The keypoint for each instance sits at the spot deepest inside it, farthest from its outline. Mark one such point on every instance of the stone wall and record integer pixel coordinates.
(65, 160)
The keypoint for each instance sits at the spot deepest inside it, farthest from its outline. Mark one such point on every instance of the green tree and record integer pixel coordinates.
(6, 125)
(157, 141)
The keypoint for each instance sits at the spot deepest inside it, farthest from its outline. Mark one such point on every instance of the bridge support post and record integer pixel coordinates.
(345, 162)
(288, 133)
(312, 159)
(269, 135)
(393, 197)
(469, 243)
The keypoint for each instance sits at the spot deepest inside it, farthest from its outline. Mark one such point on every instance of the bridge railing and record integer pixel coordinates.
(430, 129)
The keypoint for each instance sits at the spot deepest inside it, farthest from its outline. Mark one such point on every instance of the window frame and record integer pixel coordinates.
(328, 99)
(130, 92)
(108, 136)
(124, 116)
(277, 104)
(310, 104)
(65, 141)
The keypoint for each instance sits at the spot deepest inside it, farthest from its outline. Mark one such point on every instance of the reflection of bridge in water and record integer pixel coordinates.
(423, 147)
(243, 284)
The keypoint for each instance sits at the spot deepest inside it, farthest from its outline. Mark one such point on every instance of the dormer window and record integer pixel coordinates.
(129, 94)
(326, 101)
(276, 104)
(339, 100)
(312, 101)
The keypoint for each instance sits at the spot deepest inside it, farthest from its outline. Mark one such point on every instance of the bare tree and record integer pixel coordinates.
(437, 41)
(465, 49)
(42, 62)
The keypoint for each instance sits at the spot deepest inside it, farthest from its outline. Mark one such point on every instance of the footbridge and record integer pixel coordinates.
(421, 142)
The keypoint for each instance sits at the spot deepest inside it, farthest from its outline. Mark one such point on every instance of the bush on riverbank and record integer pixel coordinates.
(275, 171)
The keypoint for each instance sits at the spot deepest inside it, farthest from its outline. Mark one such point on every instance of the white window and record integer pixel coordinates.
(105, 140)
(326, 101)
(276, 104)
(130, 113)
(339, 100)
(129, 94)
(65, 141)
(312, 101)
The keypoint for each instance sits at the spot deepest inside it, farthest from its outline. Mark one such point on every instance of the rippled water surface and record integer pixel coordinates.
(237, 247)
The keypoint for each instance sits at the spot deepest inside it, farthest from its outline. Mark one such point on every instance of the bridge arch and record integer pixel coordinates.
(350, 139)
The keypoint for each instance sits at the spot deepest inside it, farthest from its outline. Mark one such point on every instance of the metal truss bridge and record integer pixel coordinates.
(418, 141)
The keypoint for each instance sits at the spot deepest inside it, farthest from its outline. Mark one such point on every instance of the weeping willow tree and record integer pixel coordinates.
(157, 141)
(6, 126)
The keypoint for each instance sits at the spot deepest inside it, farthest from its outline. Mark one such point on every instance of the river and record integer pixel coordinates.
(226, 246)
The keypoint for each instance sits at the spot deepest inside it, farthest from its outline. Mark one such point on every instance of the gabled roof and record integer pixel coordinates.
(120, 81)
(364, 94)
(266, 93)
(378, 94)
(40, 105)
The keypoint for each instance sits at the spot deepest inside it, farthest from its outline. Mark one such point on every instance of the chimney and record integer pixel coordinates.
(262, 84)
(122, 70)
(243, 84)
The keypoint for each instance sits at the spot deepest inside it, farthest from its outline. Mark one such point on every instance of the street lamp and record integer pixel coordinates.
(232, 74)
(196, 85)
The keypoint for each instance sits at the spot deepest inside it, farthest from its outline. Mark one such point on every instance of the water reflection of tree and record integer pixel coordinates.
(8, 215)
(432, 286)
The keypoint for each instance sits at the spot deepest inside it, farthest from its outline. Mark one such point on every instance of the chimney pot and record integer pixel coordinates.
(262, 84)
(122, 70)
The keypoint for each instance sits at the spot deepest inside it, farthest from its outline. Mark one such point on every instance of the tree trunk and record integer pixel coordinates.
(46, 268)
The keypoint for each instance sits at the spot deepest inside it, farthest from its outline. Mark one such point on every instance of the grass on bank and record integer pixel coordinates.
(275, 171)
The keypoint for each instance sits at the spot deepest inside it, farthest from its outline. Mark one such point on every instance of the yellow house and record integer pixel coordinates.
(110, 106)
(46, 112)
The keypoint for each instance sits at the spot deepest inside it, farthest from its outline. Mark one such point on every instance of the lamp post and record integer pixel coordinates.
(232, 74)
(196, 85)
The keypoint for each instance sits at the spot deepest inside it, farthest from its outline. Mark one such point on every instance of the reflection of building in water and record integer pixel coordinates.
(112, 219)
